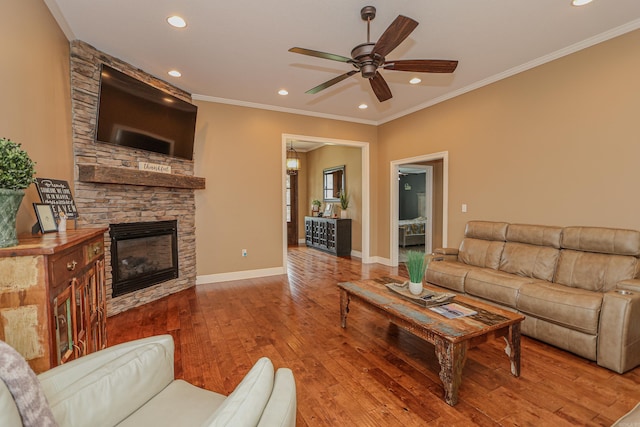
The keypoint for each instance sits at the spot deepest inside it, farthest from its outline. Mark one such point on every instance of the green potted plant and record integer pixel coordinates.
(315, 206)
(416, 266)
(16, 174)
(344, 203)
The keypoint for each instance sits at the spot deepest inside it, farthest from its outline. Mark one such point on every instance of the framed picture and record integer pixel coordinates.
(328, 210)
(46, 219)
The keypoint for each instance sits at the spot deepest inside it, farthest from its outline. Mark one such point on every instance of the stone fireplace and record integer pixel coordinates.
(109, 188)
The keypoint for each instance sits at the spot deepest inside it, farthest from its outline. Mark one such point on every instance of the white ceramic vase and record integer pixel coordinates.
(343, 214)
(415, 288)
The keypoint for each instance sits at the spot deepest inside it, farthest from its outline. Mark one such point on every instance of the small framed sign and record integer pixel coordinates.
(56, 192)
(328, 210)
(46, 220)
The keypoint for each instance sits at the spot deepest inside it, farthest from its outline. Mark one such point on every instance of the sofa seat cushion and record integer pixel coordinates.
(569, 307)
(529, 260)
(594, 272)
(495, 286)
(450, 275)
(180, 403)
(579, 343)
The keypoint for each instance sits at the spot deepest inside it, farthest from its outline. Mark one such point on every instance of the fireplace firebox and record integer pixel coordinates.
(142, 254)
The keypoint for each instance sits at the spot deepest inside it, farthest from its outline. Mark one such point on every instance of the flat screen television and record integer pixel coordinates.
(134, 114)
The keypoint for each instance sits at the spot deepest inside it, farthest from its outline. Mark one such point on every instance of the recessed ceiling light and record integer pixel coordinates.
(580, 2)
(176, 21)
(363, 106)
(283, 92)
(415, 81)
(174, 73)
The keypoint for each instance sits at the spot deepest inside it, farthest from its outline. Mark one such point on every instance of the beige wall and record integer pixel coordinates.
(558, 144)
(35, 109)
(330, 156)
(239, 152)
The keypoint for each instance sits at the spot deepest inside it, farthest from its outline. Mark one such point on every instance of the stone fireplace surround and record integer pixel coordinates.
(135, 196)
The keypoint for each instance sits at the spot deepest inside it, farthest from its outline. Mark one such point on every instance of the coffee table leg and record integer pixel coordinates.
(452, 357)
(513, 348)
(344, 307)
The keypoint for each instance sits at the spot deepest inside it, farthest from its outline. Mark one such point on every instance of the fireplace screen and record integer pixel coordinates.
(142, 254)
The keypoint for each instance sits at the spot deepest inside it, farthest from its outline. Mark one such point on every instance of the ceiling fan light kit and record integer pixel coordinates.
(368, 57)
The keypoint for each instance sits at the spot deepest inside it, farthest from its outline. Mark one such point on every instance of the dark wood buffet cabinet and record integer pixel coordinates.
(331, 235)
(52, 296)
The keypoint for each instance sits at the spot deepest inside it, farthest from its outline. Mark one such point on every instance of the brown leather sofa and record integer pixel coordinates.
(578, 287)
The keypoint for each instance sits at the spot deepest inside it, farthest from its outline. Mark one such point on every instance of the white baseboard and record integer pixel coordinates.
(240, 275)
(380, 260)
(301, 241)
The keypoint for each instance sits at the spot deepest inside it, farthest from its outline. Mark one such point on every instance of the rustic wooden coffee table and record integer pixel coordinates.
(451, 337)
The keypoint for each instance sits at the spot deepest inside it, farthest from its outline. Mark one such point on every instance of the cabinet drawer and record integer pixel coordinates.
(66, 266)
(94, 249)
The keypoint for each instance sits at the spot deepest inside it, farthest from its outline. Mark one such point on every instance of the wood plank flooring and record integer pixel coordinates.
(371, 373)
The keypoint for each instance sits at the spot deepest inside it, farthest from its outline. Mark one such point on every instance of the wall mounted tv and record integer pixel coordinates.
(134, 114)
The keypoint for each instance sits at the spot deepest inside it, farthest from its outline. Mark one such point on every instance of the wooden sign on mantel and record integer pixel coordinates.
(154, 167)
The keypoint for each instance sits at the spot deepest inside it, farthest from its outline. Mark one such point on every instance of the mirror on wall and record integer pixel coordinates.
(333, 183)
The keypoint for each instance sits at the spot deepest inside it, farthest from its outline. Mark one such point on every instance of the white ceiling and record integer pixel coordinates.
(237, 51)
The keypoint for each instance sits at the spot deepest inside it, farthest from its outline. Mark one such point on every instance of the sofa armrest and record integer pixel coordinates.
(130, 374)
(618, 335)
(446, 251)
(282, 405)
(444, 254)
(629, 285)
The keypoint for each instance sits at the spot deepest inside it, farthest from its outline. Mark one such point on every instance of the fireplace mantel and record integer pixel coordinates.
(113, 175)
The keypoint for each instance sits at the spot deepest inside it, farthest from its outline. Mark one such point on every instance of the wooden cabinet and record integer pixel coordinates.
(52, 296)
(331, 235)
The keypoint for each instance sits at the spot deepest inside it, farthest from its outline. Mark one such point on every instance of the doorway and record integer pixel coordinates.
(434, 167)
(287, 139)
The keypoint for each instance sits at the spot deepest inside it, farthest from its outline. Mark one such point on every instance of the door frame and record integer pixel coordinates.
(366, 204)
(394, 198)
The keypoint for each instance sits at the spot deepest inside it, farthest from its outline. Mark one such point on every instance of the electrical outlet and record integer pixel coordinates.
(464, 207)
(244, 252)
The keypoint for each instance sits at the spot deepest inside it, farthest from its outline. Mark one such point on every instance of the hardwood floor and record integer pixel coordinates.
(371, 373)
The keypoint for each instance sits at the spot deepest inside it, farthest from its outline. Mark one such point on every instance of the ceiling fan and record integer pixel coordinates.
(367, 57)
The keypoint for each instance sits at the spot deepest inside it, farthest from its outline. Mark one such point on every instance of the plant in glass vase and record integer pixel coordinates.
(416, 266)
(16, 174)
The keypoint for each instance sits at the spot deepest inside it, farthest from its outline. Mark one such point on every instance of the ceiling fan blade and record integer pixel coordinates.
(331, 82)
(395, 34)
(318, 54)
(380, 87)
(422, 65)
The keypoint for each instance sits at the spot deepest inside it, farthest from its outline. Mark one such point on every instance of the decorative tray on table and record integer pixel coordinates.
(426, 298)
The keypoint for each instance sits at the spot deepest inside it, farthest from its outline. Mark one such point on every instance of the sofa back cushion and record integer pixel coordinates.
(481, 253)
(483, 243)
(592, 271)
(540, 235)
(115, 390)
(602, 240)
(531, 251)
(486, 230)
(538, 262)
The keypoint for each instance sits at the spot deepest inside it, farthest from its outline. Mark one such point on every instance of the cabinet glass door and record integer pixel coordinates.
(64, 313)
(82, 316)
